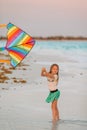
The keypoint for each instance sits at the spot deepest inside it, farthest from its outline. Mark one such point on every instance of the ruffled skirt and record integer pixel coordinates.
(54, 95)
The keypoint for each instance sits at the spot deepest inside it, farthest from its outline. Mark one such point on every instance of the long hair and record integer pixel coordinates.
(52, 67)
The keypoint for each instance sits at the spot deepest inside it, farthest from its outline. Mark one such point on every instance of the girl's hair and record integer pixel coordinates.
(53, 66)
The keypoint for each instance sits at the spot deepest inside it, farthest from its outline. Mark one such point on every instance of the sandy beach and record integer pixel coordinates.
(23, 92)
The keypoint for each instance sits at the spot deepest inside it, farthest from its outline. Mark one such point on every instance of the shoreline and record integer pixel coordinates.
(56, 38)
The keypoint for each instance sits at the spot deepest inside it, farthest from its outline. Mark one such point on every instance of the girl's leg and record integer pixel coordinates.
(55, 111)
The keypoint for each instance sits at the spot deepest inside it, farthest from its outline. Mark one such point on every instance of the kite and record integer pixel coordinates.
(18, 45)
(2, 25)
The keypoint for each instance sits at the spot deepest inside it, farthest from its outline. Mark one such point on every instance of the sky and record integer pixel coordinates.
(46, 17)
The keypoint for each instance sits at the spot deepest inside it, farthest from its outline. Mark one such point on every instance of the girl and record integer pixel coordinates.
(53, 78)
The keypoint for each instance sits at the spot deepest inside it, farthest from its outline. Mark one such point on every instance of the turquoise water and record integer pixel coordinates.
(63, 45)
(75, 50)
(58, 45)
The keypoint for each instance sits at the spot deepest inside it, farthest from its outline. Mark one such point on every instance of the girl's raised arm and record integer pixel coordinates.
(46, 74)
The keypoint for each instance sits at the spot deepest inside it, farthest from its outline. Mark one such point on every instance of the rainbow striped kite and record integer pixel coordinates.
(19, 44)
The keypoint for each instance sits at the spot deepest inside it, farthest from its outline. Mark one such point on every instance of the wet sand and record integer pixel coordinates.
(23, 92)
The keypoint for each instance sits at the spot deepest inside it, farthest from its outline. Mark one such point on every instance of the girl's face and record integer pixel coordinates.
(54, 70)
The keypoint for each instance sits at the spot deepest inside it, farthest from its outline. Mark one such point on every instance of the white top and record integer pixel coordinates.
(52, 83)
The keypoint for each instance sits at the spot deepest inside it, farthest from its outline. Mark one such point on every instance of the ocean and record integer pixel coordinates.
(71, 52)
(72, 48)
(57, 45)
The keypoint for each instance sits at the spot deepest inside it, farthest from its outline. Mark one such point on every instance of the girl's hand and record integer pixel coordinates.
(47, 74)
(44, 69)
(44, 72)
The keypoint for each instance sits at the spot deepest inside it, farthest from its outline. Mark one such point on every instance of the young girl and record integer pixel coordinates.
(53, 78)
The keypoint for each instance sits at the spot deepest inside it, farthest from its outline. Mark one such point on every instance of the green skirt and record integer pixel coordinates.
(53, 96)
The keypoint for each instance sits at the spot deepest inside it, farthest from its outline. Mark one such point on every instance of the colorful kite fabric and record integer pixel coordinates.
(18, 45)
(2, 25)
